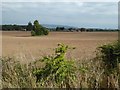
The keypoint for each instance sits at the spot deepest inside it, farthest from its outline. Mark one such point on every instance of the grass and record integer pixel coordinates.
(91, 74)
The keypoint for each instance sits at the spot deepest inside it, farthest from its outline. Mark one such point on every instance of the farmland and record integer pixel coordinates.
(21, 43)
(59, 45)
(21, 46)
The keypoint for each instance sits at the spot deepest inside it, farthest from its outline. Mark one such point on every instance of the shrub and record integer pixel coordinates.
(110, 55)
(46, 32)
(33, 33)
(57, 70)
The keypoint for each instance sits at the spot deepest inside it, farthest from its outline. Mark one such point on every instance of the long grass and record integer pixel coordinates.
(91, 74)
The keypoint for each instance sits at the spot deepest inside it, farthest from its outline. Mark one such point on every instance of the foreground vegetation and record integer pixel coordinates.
(57, 71)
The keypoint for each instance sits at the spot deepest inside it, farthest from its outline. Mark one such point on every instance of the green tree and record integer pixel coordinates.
(16, 27)
(29, 27)
(39, 29)
(82, 29)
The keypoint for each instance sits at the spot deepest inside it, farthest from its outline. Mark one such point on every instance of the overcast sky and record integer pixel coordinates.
(79, 14)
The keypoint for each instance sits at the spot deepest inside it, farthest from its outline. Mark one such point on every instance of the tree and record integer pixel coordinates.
(82, 29)
(29, 27)
(38, 29)
(16, 27)
(60, 28)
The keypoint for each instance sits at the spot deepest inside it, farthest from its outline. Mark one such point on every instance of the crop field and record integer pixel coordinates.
(83, 67)
(22, 44)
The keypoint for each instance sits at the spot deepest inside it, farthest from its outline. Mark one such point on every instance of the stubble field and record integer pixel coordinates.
(22, 44)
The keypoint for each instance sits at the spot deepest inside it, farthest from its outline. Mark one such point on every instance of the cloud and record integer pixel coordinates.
(95, 8)
(60, 1)
(68, 13)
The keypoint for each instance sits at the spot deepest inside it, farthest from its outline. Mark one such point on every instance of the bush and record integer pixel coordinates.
(46, 32)
(33, 33)
(110, 55)
(57, 70)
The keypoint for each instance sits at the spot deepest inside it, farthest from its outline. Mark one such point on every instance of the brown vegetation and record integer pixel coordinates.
(20, 43)
(90, 74)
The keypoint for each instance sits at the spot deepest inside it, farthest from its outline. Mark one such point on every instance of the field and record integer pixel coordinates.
(21, 44)
(90, 70)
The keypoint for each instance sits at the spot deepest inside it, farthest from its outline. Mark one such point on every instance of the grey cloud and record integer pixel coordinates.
(68, 13)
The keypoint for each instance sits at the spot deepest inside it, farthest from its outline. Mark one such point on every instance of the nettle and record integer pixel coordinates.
(58, 71)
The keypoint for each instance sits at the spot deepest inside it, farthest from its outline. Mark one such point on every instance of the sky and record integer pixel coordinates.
(78, 14)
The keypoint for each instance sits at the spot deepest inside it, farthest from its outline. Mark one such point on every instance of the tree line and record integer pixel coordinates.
(81, 29)
(14, 27)
(36, 29)
(29, 27)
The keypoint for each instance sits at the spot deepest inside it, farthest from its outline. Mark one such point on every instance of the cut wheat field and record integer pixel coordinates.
(22, 44)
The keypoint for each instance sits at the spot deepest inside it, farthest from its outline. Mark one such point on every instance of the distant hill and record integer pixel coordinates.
(54, 26)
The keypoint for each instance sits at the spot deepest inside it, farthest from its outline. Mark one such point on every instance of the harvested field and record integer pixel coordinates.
(21, 43)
